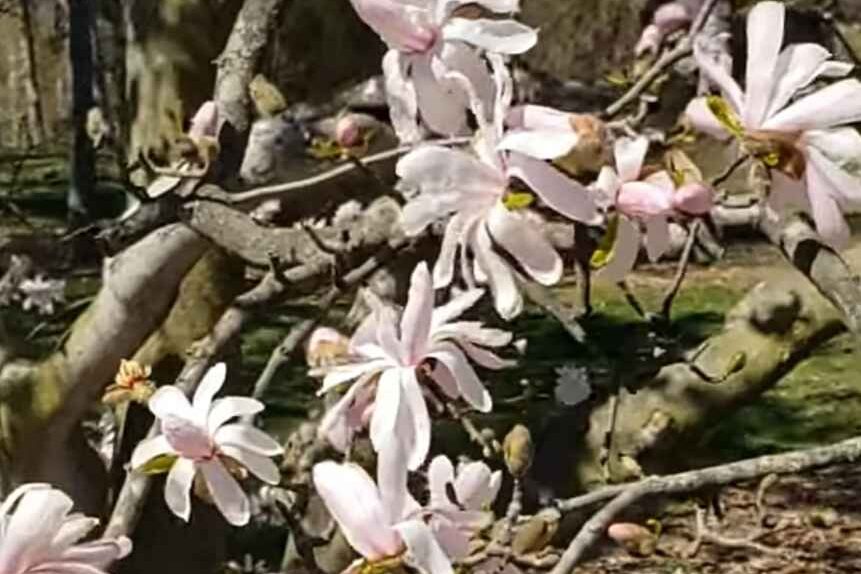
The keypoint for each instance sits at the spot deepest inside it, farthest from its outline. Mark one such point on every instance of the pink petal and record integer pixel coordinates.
(764, 37)
(657, 237)
(468, 382)
(607, 185)
(187, 438)
(702, 119)
(638, 199)
(672, 16)
(396, 24)
(177, 487)
(630, 154)
(416, 319)
(693, 199)
(453, 541)
(205, 121)
(835, 105)
(354, 502)
(28, 534)
(719, 76)
(559, 192)
(526, 244)
(339, 424)
(650, 40)
(473, 486)
(226, 493)
(498, 36)
(445, 381)
(423, 550)
(625, 251)
(401, 97)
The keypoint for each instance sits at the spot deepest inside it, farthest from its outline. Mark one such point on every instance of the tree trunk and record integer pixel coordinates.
(30, 76)
(83, 179)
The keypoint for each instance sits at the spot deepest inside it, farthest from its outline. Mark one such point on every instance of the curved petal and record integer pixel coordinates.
(797, 66)
(624, 251)
(445, 381)
(461, 58)
(824, 189)
(468, 382)
(226, 493)
(226, 408)
(540, 143)
(177, 487)
(456, 307)
(702, 119)
(210, 384)
(630, 153)
(66, 568)
(419, 419)
(440, 474)
(170, 401)
(500, 36)
(73, 529)
(846, 185)
(638, 199)
(506, 296)
(247, 437)
(99, 554)
(423, 550)
(260, 466)
(474, 485)
(31, 529)
(607, 185)
(443, 269)
(401, 98)
(150, 448)
(657, 237)
(336, 425)
(343, 373)
(437, 101)
(446, 7)
(560, 193)
(483, 357)
(835, 105)
(388, 403)
(354, 501)
(719, 76)
(397, 24)
(416, 319)
(541, 118)
(526, 244)
(435, 168)
(392, 480)
(764, 36)
(474, 332)
(693, 199)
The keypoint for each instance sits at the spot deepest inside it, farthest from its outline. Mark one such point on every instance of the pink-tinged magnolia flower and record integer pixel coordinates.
(199, 436)
(460, 504)
(667, 19)
(473, 189)
(388, 354)
(38, 535)
(813, 160)
(427, 40)
(649, 202)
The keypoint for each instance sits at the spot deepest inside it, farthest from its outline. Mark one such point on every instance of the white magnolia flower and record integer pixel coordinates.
(39, 535)
(390, 353)
(814, 159)
(201, 438)
(41, 294)
(427, 41)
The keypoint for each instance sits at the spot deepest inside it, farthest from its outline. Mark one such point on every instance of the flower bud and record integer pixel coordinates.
(693, 199)
(517, 449)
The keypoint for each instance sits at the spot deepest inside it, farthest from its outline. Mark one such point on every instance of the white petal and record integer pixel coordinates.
(443, 269)
(437, 168)
(150, 448)
(343, 373)
(401, 98)
(226, 408)
(624, 251)
(416, 319)
(657, 237)
(31, 528)
(764, 37)
(461, 58)
(260, 466)
(456, 307)
(702, 119)
(526, 244)
(387, 405)
(506, 295)
(846, 187)
(560, 193)
(392, 480)
(474, 485)
(835, 105)
(209, 386)
(630, 154)
(423, 550)
(608, 184)
(483, 357)
(226, 493)
(437, 101)
(177, 487)
(500, 36)
(797, 66)
(73, 529)
(718, 75)
(247, 437)
(170, 401)
(440, 474)
(468, 382)
(419, 418)
(538, 143)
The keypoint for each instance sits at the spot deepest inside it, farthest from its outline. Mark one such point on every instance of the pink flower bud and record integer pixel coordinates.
(348, 132)
(638, 199)
(693, 199)
(670, 17)
(205, 121)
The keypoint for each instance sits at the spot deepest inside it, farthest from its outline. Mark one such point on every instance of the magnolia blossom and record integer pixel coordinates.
(473, 188)
(41, 294)
(38, 535)
(389, 355)
(427, 40)
(648, 201)
(198, 435)
(814, 159)
(460, 503)
(667, 19)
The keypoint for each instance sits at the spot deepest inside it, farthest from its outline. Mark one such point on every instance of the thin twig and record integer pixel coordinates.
(547, 300)
(631, 299)
(682, 49)
(489, 447)
(681, 271)
(727, 173)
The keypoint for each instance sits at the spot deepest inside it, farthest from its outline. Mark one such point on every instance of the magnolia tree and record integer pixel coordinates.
(498, 188)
